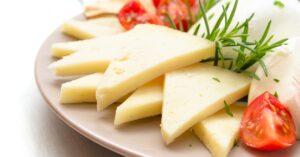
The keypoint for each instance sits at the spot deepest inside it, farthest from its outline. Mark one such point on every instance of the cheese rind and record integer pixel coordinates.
(146, 101)
(193, 93)
(80, 90)
(88, 29)
(152, 52)
(219, 131)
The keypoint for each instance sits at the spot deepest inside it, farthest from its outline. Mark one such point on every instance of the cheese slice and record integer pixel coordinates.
(152, 52)
(82, 90)
(105, 7)
(146, 101)
(99, 27)
(193, 93)
(220, 131)
(60, 50)
(94, 55)
(82, 62)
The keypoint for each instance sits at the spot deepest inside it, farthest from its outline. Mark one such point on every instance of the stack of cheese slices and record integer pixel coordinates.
(152, 70)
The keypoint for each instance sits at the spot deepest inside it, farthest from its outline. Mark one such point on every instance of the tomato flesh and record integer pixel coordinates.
(267, 124)
(177, 10)
(133, 13)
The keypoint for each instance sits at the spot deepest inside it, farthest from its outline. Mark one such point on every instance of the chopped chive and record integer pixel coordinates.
(216, 79)
(276, 80)
(227, 109)
(197, 30)
(276, 94)
(279, 4)
(211, 16)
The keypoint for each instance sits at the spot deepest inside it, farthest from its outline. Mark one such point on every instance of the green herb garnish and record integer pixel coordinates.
(227, 109)
(236, 37)
(279, 4)
(216, 79)
(276, 80)
(211, 16)
(276, 94)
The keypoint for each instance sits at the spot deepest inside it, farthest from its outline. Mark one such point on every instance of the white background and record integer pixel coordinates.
(27, 126)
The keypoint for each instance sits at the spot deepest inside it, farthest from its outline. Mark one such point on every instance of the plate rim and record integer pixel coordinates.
(87, 134)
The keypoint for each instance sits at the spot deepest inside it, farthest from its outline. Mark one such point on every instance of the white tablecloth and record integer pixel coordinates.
(27, 125)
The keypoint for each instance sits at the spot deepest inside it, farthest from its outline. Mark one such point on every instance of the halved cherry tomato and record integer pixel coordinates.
(267, 124)
(134, 13)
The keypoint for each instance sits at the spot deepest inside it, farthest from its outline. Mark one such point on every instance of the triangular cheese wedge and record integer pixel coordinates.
(83, 62)
(146, 101)
(100, 27)
(60, 50)
(152, 52)
(82, 90)
(220, 131)
(193, 93)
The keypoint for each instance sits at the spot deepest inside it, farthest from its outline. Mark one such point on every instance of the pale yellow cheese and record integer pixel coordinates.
(146, 101)
(82, 62)
(87, 29)
(193, 93)
(220, 131)
(152, 52)
(80, 90)
(94, 55)
(104, 7)
(62, 49)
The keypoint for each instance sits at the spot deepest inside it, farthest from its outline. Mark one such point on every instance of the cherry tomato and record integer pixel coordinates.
(157, 2)
(178, 11)
(267, 124)
(134, 13)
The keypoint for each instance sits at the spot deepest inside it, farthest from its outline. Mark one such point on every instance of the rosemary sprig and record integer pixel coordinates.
(236, 37)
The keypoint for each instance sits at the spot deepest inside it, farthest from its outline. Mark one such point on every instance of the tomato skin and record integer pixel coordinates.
(156, 2)
(267, 124)
(134, 13)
